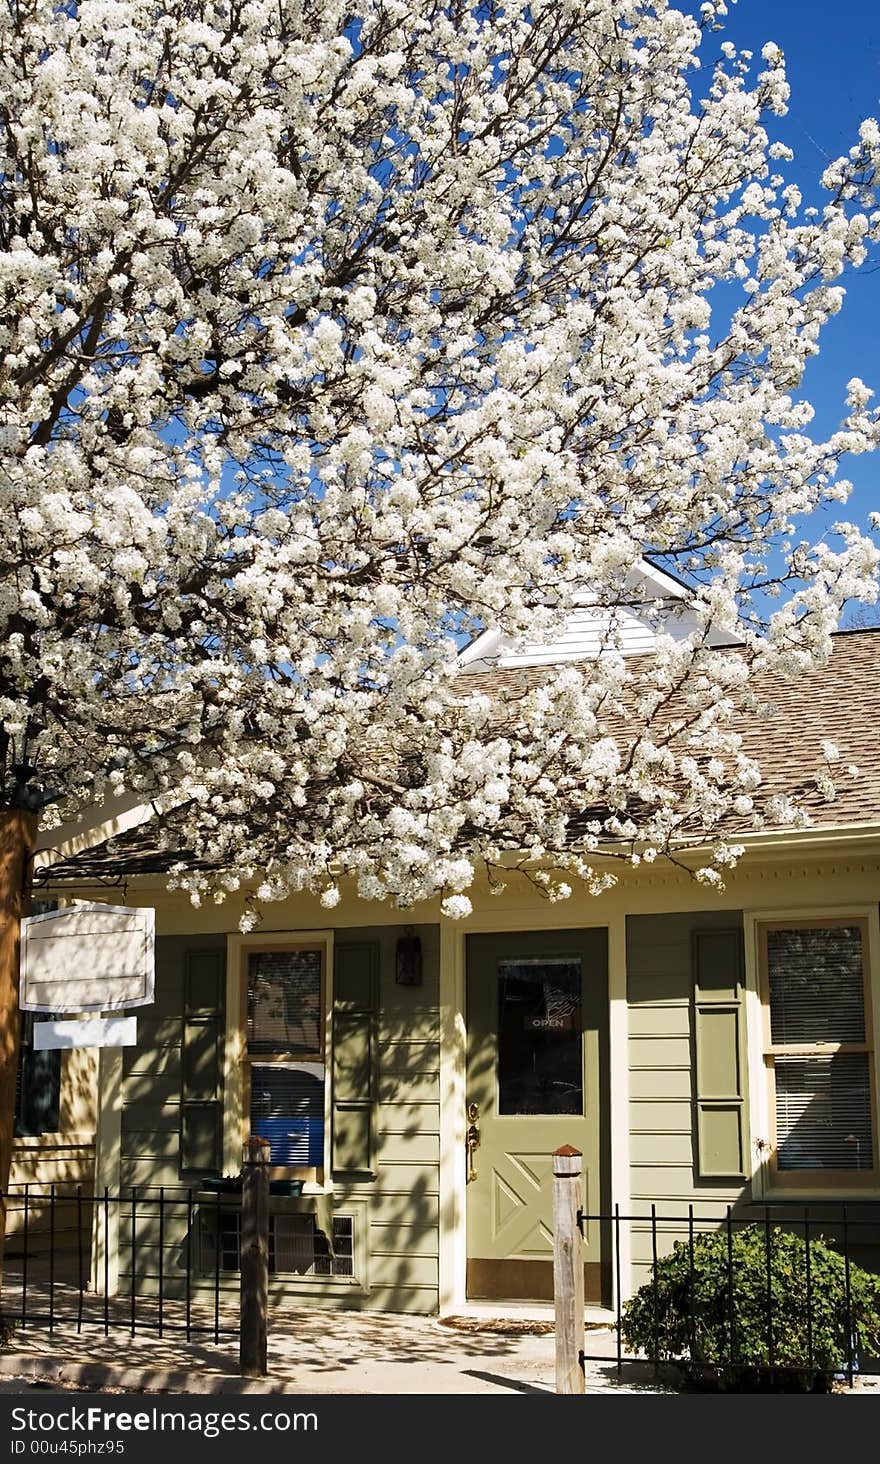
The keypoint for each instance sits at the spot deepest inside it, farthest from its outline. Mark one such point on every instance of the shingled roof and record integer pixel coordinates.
(838, 702)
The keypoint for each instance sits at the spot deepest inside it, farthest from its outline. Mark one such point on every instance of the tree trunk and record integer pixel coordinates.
(18, 830)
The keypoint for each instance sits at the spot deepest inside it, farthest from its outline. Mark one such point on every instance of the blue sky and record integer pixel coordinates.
(832, 57)
(832, 54)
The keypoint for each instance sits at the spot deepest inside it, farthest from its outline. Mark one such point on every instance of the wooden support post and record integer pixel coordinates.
(568, 1270)
(18, 832)
(252, 1345)
(108, 1172)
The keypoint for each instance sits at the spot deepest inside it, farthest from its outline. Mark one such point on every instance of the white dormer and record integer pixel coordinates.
(586, 628)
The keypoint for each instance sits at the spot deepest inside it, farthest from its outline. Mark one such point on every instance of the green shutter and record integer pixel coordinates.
(201, 1097)
(719, 1015)
(355, 1008)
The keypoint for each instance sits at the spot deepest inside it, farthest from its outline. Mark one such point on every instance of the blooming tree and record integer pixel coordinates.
(331, 333)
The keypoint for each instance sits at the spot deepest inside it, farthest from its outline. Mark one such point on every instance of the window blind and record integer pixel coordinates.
(817, 989)
(823, 1112)
(823, 1100)
(284, 1003)
(287, 1109)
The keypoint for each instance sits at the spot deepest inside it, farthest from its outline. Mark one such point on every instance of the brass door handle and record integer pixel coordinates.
(472, 1138)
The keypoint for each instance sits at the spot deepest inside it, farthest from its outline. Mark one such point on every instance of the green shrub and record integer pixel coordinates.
(685, 1316)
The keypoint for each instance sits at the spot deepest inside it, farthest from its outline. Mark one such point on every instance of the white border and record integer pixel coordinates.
(759, 1102)
(619, 1119)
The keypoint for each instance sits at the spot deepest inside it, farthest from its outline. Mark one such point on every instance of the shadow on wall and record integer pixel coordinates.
(56, 1114)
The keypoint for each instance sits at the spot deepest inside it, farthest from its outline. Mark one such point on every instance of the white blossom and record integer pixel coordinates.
(336, 335)
(456, 907)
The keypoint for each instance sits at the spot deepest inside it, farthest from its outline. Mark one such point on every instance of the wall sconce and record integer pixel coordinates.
(409, 960)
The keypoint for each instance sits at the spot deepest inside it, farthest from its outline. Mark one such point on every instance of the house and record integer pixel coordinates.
(702, 1049)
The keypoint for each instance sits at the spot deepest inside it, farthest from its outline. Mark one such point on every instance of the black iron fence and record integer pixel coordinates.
(153, 1260)
(773, 1292)
(783, 1294)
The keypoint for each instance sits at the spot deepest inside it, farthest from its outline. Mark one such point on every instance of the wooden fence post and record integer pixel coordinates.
(568, 1270)
(252, 1344)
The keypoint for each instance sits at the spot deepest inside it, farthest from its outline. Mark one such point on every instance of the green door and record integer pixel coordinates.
(537, 1015)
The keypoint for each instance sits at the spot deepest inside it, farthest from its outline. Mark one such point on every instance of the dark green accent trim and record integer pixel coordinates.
(355, 1053)
(720, 1059)
(201, 1094)
(200, 1138)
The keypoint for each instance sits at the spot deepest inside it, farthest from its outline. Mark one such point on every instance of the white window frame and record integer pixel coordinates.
(767, 1180)
(310, 1286)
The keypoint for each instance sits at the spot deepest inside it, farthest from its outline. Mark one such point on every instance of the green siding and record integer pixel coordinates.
(386, 1103)
(688, 1104)
(404, 1068)
(172, 1103)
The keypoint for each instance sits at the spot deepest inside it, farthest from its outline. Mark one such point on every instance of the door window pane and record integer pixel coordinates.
(540, 1064)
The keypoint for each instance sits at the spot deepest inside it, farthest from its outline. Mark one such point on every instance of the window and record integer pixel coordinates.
(38, 1078)
(285, 1066)
(37, 1084)
(540, 1035)
(819, 1051)
(298, 1246)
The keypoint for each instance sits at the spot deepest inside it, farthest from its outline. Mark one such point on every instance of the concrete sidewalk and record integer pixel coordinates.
(314, 1352)
(500, 1350)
